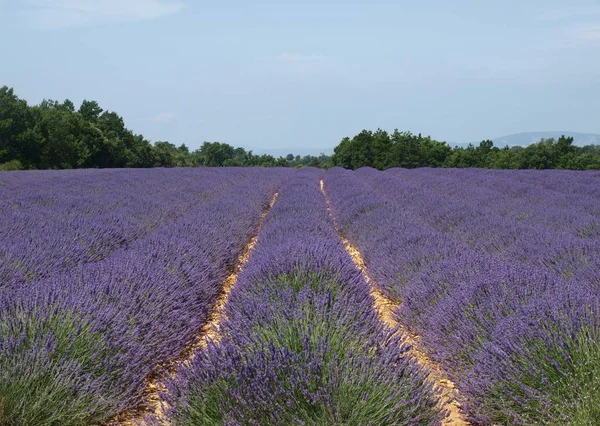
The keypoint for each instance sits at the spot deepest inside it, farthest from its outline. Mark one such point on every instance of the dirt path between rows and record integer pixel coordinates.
(210, 332)
(385, 308)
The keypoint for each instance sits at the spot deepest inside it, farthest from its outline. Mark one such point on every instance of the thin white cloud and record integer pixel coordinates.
(298, 63)
(589, 34)
(300, 58)
(74, 13)
(575, 25)
(163, 117)
(582, 34)
(568, 13)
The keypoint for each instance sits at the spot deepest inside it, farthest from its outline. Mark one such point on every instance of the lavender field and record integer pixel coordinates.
(275, 296)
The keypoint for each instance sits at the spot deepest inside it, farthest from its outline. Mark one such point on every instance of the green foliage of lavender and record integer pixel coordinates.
(307, 369)
(301, 343)
(496, 276)
(548, 383)
(98, 289)
(104, 274)
(52, 369)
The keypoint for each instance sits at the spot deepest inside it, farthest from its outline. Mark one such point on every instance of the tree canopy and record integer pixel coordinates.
(382, 150)
(57, 135)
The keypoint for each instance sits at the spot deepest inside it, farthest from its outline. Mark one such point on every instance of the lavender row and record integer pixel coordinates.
(300, 342)
(57, 224)
(567, 181)
(394, 243)
(518, 340)
(58, 196)
(514, 198)
(562, 245)
(76, 348)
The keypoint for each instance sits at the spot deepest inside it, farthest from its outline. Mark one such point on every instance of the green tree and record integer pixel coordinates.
(17, 138)
(405, 150)
(382, 149)
(342, 154)
(62, 136)
(56, 135)
(432, 153)
(90, 111)
(363, 153)
(215, 153)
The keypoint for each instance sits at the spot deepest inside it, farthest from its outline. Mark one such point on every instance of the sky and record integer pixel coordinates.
(304, 75)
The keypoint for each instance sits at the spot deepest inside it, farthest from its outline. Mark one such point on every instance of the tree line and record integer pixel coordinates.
(57, 135)
(382, 150)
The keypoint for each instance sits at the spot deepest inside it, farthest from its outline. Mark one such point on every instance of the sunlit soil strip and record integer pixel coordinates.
(385, 307)
(210, 332)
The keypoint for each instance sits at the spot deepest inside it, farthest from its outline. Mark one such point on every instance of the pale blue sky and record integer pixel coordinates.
(289, 74)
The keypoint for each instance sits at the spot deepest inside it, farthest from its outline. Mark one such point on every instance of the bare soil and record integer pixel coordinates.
(449, 395)
(155, 387)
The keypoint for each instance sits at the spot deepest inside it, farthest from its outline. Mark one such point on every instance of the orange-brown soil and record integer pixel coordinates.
(210, 332)
(385, 307)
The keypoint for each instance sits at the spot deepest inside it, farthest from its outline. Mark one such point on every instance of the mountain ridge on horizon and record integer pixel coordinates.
(514, 139)
(527, 138)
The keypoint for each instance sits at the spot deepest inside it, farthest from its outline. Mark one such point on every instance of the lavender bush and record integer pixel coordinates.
(512, 321)
(104, 274)
(77, 343)
(301, 343)
(527, 225)
(55, 220)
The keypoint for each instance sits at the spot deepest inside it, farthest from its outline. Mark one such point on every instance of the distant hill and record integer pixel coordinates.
(527, 138)
(517, 139)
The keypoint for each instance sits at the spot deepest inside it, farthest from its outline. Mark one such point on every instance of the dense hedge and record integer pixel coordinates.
(382, 151)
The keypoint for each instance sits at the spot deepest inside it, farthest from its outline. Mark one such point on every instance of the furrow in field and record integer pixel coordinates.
(210, 332)
(385, 308)
(48, 232)
(300, 342)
